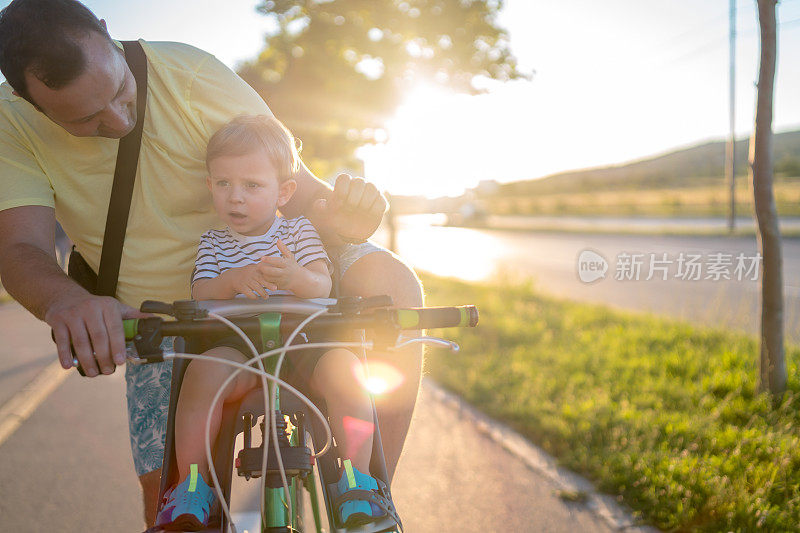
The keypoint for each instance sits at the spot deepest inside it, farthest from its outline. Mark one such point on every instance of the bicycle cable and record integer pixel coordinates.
(266, 392)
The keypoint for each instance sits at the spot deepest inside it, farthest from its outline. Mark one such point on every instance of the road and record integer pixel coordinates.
(550, 259)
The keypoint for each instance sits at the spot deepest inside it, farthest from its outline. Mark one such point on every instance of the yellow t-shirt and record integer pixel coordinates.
(190, 95)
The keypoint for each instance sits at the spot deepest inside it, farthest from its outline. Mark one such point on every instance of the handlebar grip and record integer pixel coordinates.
(130, 326)
(438, 317)
(71, 350)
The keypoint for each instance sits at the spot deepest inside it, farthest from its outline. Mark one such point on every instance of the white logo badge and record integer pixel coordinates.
(591, 266)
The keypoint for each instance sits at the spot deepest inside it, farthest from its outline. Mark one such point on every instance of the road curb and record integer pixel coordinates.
(602, 505)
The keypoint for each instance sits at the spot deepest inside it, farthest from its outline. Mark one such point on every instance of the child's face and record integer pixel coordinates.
(246, 191)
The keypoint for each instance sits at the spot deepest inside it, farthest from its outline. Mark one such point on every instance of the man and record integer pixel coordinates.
(70, 95)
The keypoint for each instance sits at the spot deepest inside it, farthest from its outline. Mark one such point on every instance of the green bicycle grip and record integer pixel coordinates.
(438, 317)
(130, 325)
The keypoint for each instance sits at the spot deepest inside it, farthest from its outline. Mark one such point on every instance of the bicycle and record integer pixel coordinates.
(295, 426)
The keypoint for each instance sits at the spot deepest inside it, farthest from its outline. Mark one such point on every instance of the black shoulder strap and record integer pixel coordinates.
(124, 177)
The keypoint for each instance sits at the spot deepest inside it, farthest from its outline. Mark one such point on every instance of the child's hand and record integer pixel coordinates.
(250, 281)
(281, 271)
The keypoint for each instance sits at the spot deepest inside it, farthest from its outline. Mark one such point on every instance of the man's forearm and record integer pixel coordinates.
(34, 279)
(351, 211)
(309, 189)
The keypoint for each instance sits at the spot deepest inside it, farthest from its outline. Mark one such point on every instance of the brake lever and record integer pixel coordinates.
(432, 341)
(352, 305)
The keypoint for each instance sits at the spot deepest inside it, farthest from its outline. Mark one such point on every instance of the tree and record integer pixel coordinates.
(335, 70)
(772, 361)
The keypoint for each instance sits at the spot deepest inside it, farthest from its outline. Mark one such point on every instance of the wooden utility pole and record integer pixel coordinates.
(773, 362)
(391, 223)
(730, 153)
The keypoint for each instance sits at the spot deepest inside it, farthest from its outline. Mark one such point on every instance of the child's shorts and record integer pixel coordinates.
(298, 365)
(148, 386)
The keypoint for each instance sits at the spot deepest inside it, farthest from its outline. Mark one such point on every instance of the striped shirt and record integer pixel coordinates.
(222, 250)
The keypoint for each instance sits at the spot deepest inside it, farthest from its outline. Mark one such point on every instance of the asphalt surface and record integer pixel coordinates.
(26, 349)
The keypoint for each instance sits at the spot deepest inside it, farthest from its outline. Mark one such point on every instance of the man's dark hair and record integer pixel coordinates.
(41, 36)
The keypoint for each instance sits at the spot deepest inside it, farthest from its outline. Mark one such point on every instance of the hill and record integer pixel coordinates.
(699, 165)
(688, 182)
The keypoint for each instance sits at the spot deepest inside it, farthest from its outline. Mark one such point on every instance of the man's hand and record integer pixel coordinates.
(248, 280)
(93, 325)
(353, 211)
(284, 271)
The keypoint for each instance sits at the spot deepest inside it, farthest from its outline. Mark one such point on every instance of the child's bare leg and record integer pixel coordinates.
(200, 384)
(349, 408)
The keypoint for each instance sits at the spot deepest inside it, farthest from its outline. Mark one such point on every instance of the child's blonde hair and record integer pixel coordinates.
(247, 133)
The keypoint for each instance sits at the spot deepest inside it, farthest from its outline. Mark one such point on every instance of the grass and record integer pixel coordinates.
(4, 296)
(664, 415)
(599, 229)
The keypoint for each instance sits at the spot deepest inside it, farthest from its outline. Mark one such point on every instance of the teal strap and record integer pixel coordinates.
(192, 477)
(351, 476)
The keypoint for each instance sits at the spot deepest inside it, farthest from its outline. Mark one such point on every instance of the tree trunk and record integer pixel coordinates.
(773, 363)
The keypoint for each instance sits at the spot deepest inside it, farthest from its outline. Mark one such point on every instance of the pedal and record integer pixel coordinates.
(296, 462)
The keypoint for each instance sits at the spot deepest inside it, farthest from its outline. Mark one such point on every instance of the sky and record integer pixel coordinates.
(614, 81)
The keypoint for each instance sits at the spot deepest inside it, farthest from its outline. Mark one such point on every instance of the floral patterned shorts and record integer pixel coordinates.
(148, 403)
(148, 388)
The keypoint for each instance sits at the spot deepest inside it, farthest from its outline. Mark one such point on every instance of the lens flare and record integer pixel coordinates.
(357, 432)
(379, 378)
(376, 385)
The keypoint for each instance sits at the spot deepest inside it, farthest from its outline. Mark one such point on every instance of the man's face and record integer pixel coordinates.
(100, 102)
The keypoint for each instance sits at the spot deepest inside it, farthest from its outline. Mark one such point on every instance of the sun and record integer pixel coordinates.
(427, 129)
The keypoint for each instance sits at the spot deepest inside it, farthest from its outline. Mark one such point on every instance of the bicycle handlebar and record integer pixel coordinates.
(402, 318)
(384, 323)
(437, 317)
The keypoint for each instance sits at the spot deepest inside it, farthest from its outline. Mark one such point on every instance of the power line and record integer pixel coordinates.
(718, 41)
(789, 22)
(666, 46)
(730, 149)
(702, 26)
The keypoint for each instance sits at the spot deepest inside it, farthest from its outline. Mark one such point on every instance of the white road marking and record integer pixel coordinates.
(16, 410)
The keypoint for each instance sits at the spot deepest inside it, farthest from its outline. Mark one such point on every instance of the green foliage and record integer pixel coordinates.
(662, 414)
(788, 165)
(335, 70)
